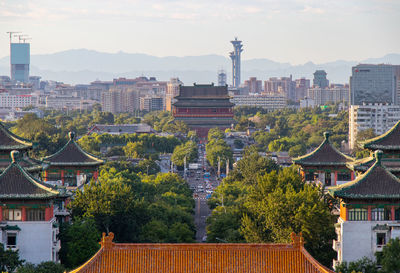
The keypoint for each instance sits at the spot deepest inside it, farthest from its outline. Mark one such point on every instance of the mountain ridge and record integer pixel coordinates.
(85, 65)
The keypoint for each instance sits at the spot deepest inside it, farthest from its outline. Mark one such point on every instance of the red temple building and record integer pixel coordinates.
(203, 107)
(202, 258)
(325, 165)
(71, 165)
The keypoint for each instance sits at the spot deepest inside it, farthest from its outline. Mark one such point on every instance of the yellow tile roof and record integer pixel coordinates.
(201, 258)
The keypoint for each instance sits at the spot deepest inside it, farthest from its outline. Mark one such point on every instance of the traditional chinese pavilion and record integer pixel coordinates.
(10, 142)
(201, 258)
(325, 164)
(27, 217)
(71, 165)
(203, 106)
(389, 143)
(369, 213)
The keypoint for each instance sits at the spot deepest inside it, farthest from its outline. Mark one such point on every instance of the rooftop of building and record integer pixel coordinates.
(72, 155)
(205, 91)
(121, 128)
(9, 141)
(17, 183)
(376, 183)
(325, 155)
(204, 258)
(388, 141)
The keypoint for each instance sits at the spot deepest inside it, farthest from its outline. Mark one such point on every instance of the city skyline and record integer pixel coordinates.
(283, 31)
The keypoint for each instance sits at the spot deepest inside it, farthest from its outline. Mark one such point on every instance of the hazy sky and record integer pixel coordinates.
(292, 31)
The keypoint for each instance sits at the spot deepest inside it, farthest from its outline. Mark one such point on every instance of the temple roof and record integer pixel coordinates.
(203, 91)
(9, 141)
(388, 141)
(29, 164)
(17, 183)
(390, 164)
(72, 155)
(376, 183)
(325, 154)
(201, 258)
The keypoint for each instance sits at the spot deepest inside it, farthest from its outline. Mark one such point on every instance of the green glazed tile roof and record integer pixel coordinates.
(9, 141)
(325, 154)
(388, 141)
(376, 183)
(17, 183)
(72, 155)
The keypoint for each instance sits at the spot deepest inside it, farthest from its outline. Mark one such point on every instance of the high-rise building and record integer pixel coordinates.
(235, 57)
(281, 85)
(221, 78)
(172, 91)
(320, 79)
(335, 93)
(302, 85)
(151, 103)
(380, 117)
(20, 60)
(254, 85)
(371, 83)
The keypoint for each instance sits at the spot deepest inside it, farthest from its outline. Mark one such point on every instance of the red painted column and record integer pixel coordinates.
(23, 216)
(392, 214)
(78, 172)
(335, 178)
(369, 213)
(62, 176)
(45, 175)
(1, 213)
(352, 175)
(48, 213)
(95, 175)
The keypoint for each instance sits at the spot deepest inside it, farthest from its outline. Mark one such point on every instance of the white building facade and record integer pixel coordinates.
(379, 117)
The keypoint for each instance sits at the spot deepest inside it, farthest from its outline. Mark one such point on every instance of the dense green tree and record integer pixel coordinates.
(147, 166)
(9, 260)
(215, 134)
(390, 257)
(364, 265)
(135, 149)
(44, 267)
(218, 150)
(79, 241)
(188, 150)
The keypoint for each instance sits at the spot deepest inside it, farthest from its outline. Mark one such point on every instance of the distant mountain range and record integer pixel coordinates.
(83, 66)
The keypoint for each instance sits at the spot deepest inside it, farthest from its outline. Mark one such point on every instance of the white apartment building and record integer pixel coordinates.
(380, 117)
(67, 102)
(267, 101)
(17, 101)
(332, 94)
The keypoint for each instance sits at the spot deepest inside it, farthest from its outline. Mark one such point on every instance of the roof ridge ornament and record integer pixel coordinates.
(14, 156)
(297, 240)
(71, 135)
(107, 240)
(378, 156)
(327, 135)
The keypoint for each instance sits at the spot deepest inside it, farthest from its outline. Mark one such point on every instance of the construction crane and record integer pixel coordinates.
(21, 37)
(11, 34)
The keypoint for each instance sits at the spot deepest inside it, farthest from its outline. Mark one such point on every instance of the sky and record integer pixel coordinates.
(294, 31)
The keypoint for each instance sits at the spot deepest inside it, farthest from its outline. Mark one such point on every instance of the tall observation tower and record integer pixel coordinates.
(235, 56)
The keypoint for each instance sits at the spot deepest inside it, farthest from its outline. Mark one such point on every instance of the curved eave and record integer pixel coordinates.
(302, 160)
(372, 143)
(88, 263)
(372, 196)
(48, 159)
(27, 196)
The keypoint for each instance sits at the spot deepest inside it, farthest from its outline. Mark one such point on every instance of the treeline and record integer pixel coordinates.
(292, 130)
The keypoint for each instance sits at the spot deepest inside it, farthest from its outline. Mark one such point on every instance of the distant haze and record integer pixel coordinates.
(85, 66)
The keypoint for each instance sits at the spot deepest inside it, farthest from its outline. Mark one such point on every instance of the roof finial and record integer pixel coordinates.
(378, 156)
(71, 135)
(14, 156)
(326, 135)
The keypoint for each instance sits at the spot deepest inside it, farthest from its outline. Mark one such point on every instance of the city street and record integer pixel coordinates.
(202, 183)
